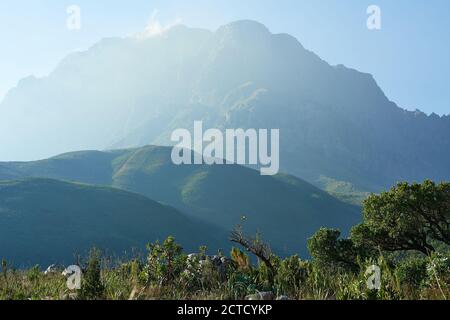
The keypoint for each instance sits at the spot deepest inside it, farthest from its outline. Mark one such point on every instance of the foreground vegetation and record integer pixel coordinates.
(405, 233)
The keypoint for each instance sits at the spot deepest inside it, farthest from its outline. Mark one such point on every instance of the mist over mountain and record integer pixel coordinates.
(286, 210)
(334, 121)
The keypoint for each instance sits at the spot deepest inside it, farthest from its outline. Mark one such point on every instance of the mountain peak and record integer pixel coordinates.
(247, 27)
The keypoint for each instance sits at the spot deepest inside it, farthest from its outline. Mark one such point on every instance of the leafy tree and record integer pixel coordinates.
(408, 217)
(328, 250)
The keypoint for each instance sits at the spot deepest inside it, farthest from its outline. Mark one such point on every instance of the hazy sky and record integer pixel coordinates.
(409, 56)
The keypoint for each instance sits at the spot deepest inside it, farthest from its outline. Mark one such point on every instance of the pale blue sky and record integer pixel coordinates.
(409, 57)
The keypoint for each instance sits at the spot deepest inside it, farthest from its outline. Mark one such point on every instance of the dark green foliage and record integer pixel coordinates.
(408, 217)
(164, 276)
(438, 272)
(412, 271)
(329, 251)
(92, 287)
(292, 274)
(165, 262)
(33, 273)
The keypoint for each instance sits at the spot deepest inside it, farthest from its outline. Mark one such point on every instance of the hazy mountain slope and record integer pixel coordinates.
(335, 122)
(285, 209)
(92, 167)
(344, 191)
(47, 221)
(6, 173)
(95, 98)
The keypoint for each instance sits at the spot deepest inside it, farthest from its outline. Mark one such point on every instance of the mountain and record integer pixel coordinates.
(285, 209)
(7, 174)
(335, 122)
(46, 221)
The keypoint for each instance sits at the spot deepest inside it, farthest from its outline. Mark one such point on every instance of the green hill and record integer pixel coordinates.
(46, 221)
(286, 210)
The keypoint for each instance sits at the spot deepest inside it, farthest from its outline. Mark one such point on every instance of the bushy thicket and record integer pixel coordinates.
(168, 273)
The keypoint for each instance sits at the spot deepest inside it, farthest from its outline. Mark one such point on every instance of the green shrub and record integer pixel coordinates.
(165, 262)
(412, 272)
(438, 273)
(92, 287)
(329, 251)
(34, 273)
(292, 274)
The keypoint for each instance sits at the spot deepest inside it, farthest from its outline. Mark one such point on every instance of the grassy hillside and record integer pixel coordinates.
(285, 209)
(344, 191)
(46, 221)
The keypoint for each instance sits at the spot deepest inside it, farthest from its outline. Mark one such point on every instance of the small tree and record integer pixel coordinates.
(328, 250)
(408, 217)
(92, 286)
(165, 261)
